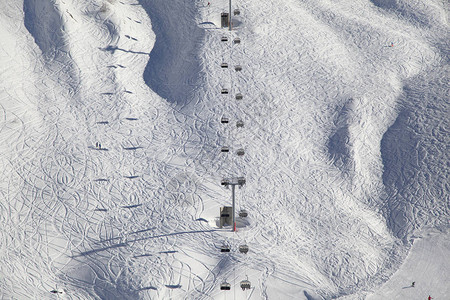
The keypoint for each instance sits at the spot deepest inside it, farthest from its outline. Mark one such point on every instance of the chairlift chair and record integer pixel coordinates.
(224, 65)
(224, 39)
(243, 249)
(239, 96)
(225, 182)
(225, 248)
(225, 149)
(224, 120)
(224, 91)
(225, 286)
(245, 285)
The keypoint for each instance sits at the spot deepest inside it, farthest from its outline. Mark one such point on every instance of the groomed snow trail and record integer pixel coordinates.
(111, 135)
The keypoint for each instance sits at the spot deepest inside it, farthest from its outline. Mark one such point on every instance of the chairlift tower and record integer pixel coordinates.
(229, 17)
(233, 182)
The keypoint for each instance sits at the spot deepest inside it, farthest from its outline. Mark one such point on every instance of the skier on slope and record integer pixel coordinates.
(429, 297)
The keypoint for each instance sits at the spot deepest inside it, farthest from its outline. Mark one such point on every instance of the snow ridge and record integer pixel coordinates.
(111, 135)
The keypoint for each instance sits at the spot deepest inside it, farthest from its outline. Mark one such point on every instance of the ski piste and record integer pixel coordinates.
(111, 135)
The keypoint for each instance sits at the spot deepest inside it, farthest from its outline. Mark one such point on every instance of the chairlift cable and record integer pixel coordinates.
(234, 283)
(225, 112)
(232, 91)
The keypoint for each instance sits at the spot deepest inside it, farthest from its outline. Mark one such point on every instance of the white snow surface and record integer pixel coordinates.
(345, 109)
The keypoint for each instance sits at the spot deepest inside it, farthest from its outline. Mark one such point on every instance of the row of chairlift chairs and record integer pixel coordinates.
(239, 123)
(237, 68)
(226, 149)
(242, 248)
(225, 39)
(225, 91)
(242, 213)
(245, 284)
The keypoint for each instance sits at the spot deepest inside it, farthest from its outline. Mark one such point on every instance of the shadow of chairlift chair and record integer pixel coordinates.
(240, 152)
(243, 213)
(225, 286)
(237, 12)
(240, 124)
(239, 96)
(243, 249)
(237, 68)
(237, 40)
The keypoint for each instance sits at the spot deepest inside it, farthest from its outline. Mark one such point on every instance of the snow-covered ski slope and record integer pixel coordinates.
(346, 137)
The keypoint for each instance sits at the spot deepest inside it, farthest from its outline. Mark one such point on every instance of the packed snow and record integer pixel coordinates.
(111, 137)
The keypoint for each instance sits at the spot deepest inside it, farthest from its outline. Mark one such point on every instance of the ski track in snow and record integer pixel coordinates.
(345, 141)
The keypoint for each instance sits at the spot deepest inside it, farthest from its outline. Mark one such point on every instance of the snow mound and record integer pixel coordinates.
(111, 156)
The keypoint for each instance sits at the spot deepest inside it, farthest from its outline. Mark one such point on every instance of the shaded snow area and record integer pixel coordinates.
(111, 163)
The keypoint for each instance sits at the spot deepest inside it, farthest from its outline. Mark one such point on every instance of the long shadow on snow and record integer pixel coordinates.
(113, 49)
(43, 22)
(93, 251)
(95, 276)
(415, 157)
(174, 67)
(338, 145)
(408, 12)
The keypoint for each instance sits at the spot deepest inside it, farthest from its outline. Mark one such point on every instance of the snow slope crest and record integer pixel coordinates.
(113, 129)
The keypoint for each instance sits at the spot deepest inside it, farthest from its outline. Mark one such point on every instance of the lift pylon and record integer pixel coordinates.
(233, 182)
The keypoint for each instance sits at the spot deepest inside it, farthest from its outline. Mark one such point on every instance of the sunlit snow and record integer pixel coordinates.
(111, 138)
